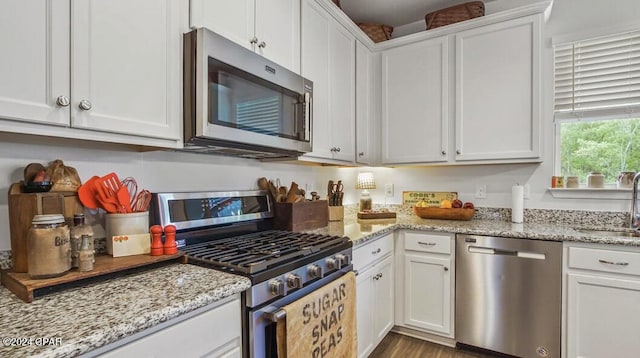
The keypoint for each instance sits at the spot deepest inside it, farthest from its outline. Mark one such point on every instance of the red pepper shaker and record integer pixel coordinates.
(170, 246)
(156, 240)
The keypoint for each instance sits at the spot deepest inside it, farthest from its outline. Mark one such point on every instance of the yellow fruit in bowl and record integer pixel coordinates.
(422, 204)
(445, 204)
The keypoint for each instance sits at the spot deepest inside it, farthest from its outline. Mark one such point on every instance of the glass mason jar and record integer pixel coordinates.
(49, 247)
(595, 180)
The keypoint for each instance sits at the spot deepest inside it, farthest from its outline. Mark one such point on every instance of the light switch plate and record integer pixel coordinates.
(481, 191)
(388, 190)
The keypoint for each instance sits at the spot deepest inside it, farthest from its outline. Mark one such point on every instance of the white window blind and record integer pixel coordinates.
(598, 76)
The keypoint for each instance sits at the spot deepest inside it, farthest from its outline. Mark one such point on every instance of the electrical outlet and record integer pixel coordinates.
(388, 190)
(527, 191)
(481, 191)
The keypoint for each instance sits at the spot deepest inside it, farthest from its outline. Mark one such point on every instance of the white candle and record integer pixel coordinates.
(517, 203)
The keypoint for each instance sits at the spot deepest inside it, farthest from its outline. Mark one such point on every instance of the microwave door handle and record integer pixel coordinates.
(308, 100)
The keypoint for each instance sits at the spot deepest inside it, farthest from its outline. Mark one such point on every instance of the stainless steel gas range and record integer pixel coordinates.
(232, 231)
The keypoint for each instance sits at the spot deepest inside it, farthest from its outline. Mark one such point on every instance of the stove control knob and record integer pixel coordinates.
(344, 260)
(276, 287)
(314, 271)
(294, 281)
(333, 264)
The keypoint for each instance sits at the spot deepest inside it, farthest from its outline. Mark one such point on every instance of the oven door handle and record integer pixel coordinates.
(276, 315)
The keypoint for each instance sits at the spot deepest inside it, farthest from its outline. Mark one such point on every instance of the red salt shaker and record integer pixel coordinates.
(170, 246)
(156, 240)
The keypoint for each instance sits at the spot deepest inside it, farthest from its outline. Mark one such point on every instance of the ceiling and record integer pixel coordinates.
(394, 12)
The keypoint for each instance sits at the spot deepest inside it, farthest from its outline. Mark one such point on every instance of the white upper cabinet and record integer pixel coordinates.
(497, 91)
(328, 59)
(94, 68)
(34, 38)
(126, 66)
(271, 28)
(415, 114)
(365, 102)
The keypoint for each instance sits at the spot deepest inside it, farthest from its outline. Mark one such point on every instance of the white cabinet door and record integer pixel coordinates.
(34, 38)
(427, 294)
(278, 32)
(271, 28)
(497, 91)
(365, 305)
(384, 303)
(328, 59)
(126, 66)
(214, 333)
(415, 109)
(602, 316)
(231, 19)
(365, 113)
(342, 61)
(315, 66)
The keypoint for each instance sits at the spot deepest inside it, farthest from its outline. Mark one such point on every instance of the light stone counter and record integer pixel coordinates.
(82, 319)
(360, 231)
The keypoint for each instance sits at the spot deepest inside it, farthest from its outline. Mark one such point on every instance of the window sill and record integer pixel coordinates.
(591, 193)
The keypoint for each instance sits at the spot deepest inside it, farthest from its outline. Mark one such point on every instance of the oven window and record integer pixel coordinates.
(241, 100)
(207, 208)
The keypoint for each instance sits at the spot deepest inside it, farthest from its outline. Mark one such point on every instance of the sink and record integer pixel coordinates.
(602, 232)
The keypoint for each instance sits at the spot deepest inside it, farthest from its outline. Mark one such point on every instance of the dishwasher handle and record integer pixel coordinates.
(495, 251)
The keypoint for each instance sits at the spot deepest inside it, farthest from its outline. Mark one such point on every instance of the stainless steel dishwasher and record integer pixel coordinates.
(509, 295)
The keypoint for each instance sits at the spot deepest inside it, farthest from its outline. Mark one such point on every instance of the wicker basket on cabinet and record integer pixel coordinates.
(454, 14)
(377, 32)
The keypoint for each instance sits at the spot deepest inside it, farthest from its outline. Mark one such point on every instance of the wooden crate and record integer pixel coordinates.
(300, 216)
(24, 206)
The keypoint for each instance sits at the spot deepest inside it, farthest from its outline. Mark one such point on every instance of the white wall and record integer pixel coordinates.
(156, 171)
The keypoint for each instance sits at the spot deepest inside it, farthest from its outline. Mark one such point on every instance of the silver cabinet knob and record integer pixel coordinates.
(254, 40)
(446, 268)
(63, 101)
(262, 44)
(85, 105)
(338, 149)
(444, 153)
(458, 151)
(361, 154)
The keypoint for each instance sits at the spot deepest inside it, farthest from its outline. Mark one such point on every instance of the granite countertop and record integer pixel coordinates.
(362, 230)
(79, 320)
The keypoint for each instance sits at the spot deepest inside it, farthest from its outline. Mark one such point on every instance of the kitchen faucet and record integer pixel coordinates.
(634, 221)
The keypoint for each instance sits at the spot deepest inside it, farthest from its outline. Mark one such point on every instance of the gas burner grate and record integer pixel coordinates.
(261, 250)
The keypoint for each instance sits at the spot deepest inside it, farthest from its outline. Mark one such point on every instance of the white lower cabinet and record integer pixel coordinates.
(374, 293)
(602, 289)
(425, 282)
(213, 332)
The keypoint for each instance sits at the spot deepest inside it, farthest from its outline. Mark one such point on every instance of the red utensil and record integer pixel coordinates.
(107, 188)
(132, 187)
(87, 193)
(124, 199)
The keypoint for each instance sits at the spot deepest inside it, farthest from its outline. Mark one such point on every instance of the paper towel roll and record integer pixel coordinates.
(517, 203)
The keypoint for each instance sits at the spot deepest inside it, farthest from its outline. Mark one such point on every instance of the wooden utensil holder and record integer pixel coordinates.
(336, 213)
(300, 216)
(24, 206)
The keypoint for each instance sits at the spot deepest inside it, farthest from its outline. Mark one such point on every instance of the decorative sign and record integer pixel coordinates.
(433, 198)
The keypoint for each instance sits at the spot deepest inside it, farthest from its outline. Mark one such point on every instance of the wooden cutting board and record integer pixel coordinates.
(322, 323)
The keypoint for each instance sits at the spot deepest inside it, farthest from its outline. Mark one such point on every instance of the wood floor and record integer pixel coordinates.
(401, 346)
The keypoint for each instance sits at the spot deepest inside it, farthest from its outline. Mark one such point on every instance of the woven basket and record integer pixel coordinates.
(376, 32)
(454, 14)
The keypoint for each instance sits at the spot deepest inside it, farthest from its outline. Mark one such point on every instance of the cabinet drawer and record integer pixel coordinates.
(604, 260)
(440, 244)
(367, 254)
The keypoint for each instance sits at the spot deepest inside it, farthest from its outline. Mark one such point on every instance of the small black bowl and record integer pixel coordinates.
(37, 186)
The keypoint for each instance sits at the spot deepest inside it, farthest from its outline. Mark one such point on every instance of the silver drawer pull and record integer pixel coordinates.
(614, 263)
(376, 252)
(427, 243)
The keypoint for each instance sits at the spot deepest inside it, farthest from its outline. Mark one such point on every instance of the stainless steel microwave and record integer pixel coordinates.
(237, 102)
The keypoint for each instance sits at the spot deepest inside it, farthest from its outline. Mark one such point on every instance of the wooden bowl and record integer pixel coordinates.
(446, 214)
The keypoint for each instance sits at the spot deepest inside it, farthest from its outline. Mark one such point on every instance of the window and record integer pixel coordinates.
(597, 105)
